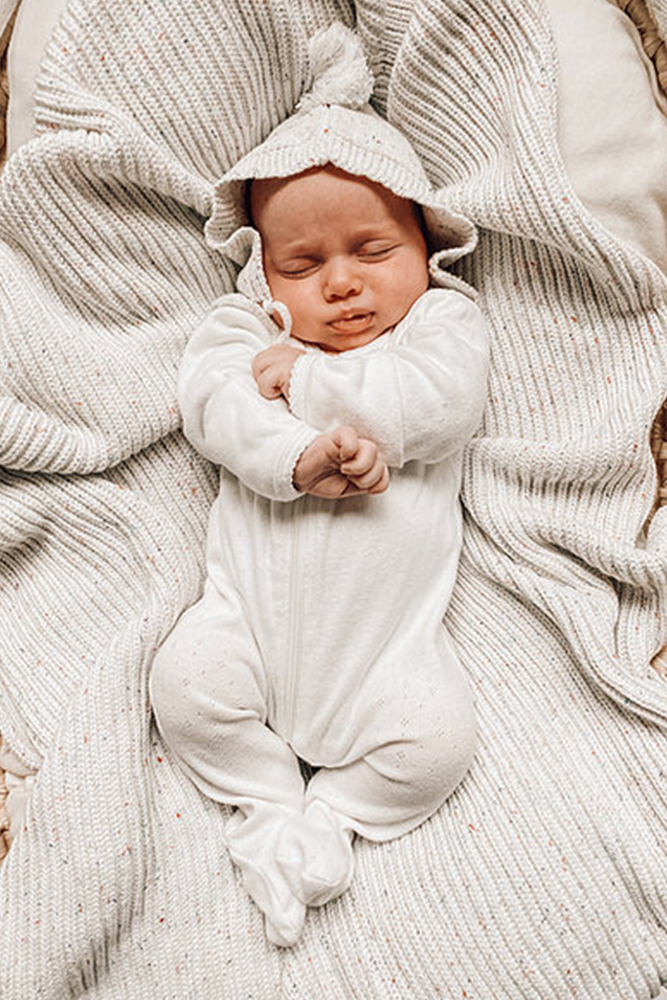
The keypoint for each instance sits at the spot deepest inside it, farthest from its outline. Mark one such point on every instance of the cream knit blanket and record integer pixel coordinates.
(544, 876)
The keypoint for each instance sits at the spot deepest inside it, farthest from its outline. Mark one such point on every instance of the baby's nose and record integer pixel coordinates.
(341, 279)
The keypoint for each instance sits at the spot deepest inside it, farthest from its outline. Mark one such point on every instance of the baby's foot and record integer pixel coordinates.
(315, 854)
(284, 914)
(251, 841)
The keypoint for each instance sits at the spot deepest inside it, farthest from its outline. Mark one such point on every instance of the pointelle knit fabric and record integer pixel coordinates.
(543, 877)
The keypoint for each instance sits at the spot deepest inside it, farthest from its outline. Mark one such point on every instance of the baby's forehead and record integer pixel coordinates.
(314, 189)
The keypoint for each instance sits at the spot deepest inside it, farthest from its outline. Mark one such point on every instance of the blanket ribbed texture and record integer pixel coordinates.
(543, 876)
(562, 480)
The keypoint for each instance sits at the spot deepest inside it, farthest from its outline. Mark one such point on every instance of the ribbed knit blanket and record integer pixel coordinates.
(544, 876)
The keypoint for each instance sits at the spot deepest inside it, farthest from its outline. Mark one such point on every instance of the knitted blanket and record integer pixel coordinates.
(543, 876)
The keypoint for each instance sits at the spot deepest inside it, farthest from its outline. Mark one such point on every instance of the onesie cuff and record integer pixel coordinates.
(284, 488)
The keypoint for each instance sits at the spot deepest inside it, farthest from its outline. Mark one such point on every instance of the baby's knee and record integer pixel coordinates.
(440, 757)
(200, 692)
(452, 747)
(168, 686)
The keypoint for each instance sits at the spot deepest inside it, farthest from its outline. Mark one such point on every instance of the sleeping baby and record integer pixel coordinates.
(336, 390)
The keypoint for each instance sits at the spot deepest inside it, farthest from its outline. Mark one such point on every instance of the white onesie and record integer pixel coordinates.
(320, 633)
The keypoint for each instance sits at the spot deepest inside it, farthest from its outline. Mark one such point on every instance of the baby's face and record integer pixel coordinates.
(346, 256)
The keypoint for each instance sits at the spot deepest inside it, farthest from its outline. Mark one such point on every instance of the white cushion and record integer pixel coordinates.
(612, 128)
(34, 25)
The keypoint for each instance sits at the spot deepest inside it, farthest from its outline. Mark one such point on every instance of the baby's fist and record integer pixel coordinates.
(272, 370)
(341, 464)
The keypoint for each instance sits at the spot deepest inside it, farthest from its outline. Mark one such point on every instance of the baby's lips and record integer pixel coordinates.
(354, 323)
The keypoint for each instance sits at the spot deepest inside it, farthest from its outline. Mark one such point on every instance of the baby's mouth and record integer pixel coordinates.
(356, 322)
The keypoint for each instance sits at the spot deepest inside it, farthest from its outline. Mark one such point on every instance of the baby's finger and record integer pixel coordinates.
(363, 461)
(382, 483)
(260, 363)
(268, 384)
(346, 440)
(374, 481)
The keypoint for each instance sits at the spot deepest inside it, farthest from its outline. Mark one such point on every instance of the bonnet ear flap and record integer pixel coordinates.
(227, 214)
(236, 247)
(450, 236)
(457, 236)
(244, 248)
(441, 278)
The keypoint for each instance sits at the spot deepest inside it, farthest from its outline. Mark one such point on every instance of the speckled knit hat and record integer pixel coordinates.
(333, 123)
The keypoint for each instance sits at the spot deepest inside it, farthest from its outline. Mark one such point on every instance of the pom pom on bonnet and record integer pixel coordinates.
(333, 123)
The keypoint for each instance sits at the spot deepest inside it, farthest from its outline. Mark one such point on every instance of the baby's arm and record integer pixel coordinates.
(257, 439)
(225, 417)
(421, 398)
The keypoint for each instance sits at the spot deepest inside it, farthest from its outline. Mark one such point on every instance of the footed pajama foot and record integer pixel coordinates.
(315, 854)
(284, 914)
(251, 841)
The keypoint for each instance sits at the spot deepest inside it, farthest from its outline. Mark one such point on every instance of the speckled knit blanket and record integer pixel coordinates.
(544, 876)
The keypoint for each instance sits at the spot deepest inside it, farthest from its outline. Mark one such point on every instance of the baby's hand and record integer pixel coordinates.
(341, 464)
(272, 369)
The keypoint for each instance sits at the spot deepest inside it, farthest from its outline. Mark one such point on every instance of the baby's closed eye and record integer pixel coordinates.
(375, 251)
(300, 268)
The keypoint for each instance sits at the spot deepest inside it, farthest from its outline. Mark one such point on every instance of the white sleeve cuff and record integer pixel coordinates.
(284, 488)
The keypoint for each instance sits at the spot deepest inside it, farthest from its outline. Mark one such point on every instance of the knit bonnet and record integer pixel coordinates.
(333, 124)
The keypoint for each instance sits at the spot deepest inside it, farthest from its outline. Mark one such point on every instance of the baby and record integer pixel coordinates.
(336, 390)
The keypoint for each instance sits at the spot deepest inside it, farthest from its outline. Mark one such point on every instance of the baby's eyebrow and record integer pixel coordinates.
(285, 247)
(293, 255)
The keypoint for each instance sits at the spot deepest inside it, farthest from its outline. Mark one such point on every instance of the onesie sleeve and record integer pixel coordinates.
(420, 398)
(224, 415)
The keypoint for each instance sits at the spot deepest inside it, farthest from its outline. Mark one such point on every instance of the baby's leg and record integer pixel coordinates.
(209, 694)
(420, 735)
(423, 732)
